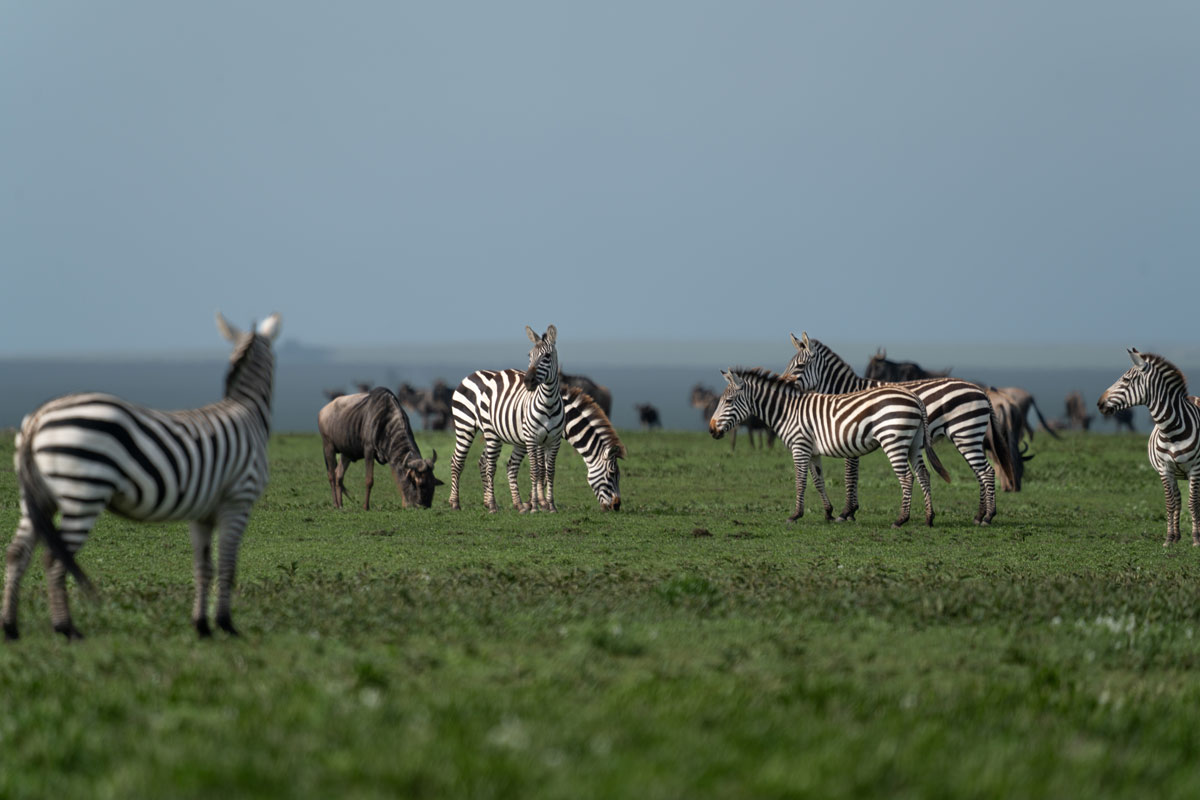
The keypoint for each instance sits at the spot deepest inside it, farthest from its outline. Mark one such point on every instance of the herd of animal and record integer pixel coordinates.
(80, 454)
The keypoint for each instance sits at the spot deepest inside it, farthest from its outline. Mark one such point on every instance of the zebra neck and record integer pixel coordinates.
(550, 392)
(838, 377)
(1172, 413)
(769, 401)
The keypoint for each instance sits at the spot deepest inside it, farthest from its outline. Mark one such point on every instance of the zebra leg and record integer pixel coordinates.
(548, 471)
(514, 472)
(851, 490)
(972, 450)
(232, 524)
(800, 456)
(818, 480)
(75, 523)
(1171, 490)
(462, 446)
(20, 552)
(537, 471)
(491, 452)
(904, 471)
(202, 573)
(1194, 505)
(926, 489)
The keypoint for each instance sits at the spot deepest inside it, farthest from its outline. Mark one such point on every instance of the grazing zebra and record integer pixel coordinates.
(841, 425)
(518, 408)
(588, 430)
(83, 453)
(956, 409)
(1174, 445)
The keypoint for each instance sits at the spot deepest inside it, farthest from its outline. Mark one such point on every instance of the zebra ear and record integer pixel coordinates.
(796, 343)
(1136, 357)
(533, 337)
(227, 330)
(551, 335)
(270, 327)
(804, 340)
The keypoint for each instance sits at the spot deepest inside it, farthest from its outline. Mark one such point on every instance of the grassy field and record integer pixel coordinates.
(693, 645)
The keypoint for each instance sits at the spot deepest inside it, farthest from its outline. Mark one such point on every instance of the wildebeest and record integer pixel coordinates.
(1077, 416)
(648, 416)
(706, 400)
(600, 394)
(433, 404)
(880, 369)
(373, 427)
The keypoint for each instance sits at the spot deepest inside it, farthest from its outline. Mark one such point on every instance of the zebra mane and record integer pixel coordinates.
(761, 373)
(604, 428)
(238, 361)
(1171, 373)
(831, 358)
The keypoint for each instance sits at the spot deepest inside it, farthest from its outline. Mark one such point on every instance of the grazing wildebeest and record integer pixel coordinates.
(1009, 423)
(648, 416)
(372, 426)
(600, 394)
(1023, 401)
(1174, 444)
(880, 369)
(1077, 416)
(432, 404)
(706, 400)
(1123, 417)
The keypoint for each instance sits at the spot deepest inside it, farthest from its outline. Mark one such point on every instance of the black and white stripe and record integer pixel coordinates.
(507, 406)
(588, 430)
(83, 453)
(1174, 445)
(840, 425)
(957, 409)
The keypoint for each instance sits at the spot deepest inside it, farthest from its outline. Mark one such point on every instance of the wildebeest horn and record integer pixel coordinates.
(433, 458)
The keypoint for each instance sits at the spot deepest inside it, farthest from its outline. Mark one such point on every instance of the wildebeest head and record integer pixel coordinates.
(416, 481)
(543, 358)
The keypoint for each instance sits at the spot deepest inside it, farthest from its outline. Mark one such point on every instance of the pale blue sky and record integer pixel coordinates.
(396, 173)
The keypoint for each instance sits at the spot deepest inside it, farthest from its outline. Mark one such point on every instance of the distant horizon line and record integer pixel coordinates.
(661, 352)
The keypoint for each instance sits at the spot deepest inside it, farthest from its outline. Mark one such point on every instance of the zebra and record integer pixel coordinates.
(517, 408)
(588, 430)
(957, 409)
(82, 453)
(842, 425)
(1174, 444)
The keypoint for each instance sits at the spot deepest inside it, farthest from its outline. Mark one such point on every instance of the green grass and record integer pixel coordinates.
(693, 645)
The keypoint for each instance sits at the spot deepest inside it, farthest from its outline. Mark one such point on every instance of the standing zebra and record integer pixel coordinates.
(957, 409)
(1174, 445)
(841, 425)
(517, 408)
(588, 430)
(83, 453)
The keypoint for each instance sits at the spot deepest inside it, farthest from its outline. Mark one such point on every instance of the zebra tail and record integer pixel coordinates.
(999, 446)
(931, 454)
(40, 505)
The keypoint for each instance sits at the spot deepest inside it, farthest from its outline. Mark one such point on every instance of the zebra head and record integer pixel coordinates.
(606, 478)
(1131, 389)
(733, 407)
(252, 364)
(806, 365)
(543, 358)
(1149, 381)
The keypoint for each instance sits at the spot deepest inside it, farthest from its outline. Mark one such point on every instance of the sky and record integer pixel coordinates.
(395, 173)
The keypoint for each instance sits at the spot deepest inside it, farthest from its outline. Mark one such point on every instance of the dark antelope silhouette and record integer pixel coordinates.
(599, 394)
(433, 404)
(648, 416)
(880, 369)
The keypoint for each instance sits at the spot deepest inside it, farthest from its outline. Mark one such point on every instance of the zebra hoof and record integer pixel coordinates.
(68, 630)
(10, 632)
(899, 523)
(203, 628)
(829, 516)
(225, 623)
(454, 506)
